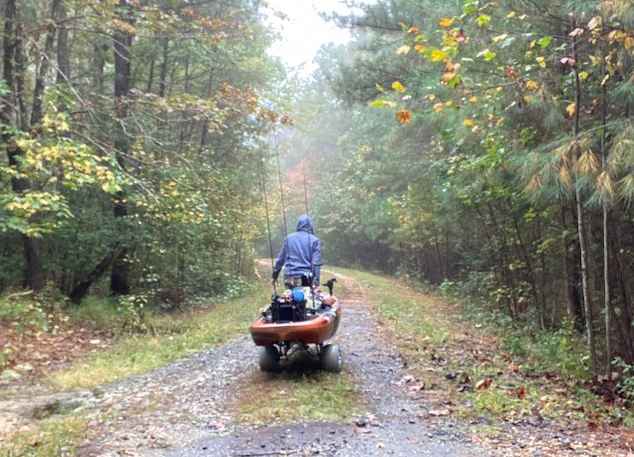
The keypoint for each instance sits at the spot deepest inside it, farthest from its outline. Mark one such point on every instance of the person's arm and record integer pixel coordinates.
(316, 262)
(279, 263)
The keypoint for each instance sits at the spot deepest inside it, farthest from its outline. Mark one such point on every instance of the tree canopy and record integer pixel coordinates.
(480, 146)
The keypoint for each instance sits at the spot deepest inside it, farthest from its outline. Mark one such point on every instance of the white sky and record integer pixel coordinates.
(304, 31)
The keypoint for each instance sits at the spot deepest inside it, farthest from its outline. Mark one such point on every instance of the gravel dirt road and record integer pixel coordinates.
(184, 409)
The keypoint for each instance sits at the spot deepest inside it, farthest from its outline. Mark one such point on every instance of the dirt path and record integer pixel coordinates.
(183, 409)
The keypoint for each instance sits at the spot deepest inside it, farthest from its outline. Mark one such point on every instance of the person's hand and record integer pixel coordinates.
(273, 283)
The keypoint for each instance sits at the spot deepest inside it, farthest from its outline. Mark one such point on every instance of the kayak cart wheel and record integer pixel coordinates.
(331, 358)
(269, 358)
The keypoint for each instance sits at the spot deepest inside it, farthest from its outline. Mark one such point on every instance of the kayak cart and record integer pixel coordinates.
(299, 319)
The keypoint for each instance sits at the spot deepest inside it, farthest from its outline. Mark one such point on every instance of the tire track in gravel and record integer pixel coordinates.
(181, 410)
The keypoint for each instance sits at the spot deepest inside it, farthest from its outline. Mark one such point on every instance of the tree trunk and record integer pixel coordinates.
(63, 49)
(12, 63)
(80, 290)
(525, 256)
(40, 81)
(119, 282)
(570, 278)
(581, 227)
(163, 75)
(624, 319)
(99, 62)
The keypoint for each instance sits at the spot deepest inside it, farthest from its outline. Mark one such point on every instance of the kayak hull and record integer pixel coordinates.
(315, 329)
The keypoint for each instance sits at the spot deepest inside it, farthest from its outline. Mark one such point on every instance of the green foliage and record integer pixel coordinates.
(484, 153)
(449, 290)
(176, 155)
(560, 351)
(627, 382)
(132, 311)
(98, 313)
(28, 314)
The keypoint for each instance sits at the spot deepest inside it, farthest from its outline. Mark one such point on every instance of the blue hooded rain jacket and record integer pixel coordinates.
(301, 253)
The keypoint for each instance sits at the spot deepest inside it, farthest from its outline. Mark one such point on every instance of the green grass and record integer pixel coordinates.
(413, 314)
(59, 436)
(170, 337)
(291, 397)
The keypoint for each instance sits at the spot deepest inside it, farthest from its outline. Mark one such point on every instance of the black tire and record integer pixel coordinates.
(331, 358)
(269, 358)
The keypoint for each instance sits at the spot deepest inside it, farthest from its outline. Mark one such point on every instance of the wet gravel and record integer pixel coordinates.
(182, 409)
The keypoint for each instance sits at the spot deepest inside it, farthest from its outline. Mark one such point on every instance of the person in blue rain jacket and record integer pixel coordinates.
(300, 255)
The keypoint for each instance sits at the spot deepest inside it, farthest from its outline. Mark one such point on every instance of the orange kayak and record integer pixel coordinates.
(316, 325)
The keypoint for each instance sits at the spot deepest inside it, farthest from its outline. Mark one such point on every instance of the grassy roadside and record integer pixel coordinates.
(483, 371)
(169, 337)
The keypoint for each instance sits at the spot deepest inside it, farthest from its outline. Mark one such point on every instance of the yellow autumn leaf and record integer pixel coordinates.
(397, 86)
(420, 48)
(541, 61)
(449, 103)
(403, 50)
(437, 55)
(532, 85)
(447, 76)
(473, 99)
(595, 22)
(438, 107)
(571, 109)
(510, 15)
(576, 32)
(468, 122)
(446, 22)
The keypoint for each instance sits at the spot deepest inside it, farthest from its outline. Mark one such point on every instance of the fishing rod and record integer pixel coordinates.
(266, 206)
(279, 178)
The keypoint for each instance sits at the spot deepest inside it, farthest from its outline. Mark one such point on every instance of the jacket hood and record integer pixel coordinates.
(304, 224)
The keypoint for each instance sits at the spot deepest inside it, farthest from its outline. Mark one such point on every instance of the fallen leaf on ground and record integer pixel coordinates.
(440, 412)
(417, 387)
